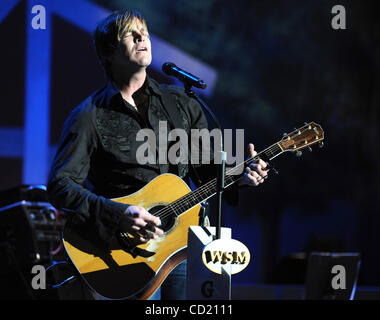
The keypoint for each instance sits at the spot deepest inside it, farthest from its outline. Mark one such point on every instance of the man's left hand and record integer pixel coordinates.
(256, 172)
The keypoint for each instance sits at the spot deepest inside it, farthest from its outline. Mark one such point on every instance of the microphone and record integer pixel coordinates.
(171, 69)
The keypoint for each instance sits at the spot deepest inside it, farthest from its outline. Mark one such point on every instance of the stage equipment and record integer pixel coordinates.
(202, 283)
(332, 276)
(30, 235)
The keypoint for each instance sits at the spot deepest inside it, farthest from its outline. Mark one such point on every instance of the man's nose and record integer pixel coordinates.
(139, 38)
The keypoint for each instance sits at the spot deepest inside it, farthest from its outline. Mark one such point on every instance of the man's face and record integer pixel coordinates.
(136, 46)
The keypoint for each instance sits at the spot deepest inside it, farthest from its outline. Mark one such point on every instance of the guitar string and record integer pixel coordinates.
(182, 204)
(206, 188)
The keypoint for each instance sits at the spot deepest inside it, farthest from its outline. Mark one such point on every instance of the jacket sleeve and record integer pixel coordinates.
(66, 185)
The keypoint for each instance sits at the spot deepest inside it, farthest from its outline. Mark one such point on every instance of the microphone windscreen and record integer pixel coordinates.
(167, 68)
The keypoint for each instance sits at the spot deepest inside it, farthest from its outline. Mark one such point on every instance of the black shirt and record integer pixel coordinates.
(96, 156)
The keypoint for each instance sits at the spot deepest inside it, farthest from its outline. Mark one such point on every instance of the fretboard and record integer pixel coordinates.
(209, 189)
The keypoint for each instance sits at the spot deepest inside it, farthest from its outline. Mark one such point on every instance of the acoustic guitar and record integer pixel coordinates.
(127, 270)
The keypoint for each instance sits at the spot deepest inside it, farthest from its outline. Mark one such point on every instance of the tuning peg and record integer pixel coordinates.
(321, 144)
(298, 153)
(310, 149)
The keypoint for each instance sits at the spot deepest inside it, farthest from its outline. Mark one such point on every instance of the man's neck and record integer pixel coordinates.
(128, 85)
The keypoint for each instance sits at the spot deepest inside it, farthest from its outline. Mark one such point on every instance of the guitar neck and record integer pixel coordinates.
(232, 175)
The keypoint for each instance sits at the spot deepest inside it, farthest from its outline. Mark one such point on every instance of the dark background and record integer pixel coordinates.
(280, 64)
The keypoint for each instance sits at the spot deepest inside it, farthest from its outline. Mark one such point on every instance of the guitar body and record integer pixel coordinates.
(134, 272)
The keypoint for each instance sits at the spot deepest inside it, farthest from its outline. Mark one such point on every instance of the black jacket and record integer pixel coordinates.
(96, 157)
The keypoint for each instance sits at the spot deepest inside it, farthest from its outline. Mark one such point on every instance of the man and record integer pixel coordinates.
(96, 158)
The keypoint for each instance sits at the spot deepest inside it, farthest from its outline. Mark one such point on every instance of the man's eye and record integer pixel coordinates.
(136, 35)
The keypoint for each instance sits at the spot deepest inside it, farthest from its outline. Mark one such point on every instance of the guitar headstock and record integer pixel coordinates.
(303, 137)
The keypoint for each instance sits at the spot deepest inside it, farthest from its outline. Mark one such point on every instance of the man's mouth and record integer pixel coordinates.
(142, 49)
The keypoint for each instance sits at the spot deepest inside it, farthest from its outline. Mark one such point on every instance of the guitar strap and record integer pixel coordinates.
(169, 103)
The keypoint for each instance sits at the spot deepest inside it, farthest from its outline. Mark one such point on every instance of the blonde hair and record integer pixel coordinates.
(111, 31)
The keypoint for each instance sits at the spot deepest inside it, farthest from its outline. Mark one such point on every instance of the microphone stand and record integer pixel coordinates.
(221, 167)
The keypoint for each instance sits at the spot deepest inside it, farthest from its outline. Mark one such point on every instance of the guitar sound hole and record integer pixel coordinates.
(167, 221)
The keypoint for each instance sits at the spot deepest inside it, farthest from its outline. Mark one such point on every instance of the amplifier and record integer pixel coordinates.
(33, 193)
(30, 234)
(33, 229)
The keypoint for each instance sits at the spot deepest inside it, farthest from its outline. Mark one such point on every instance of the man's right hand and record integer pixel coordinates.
(141, 224)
